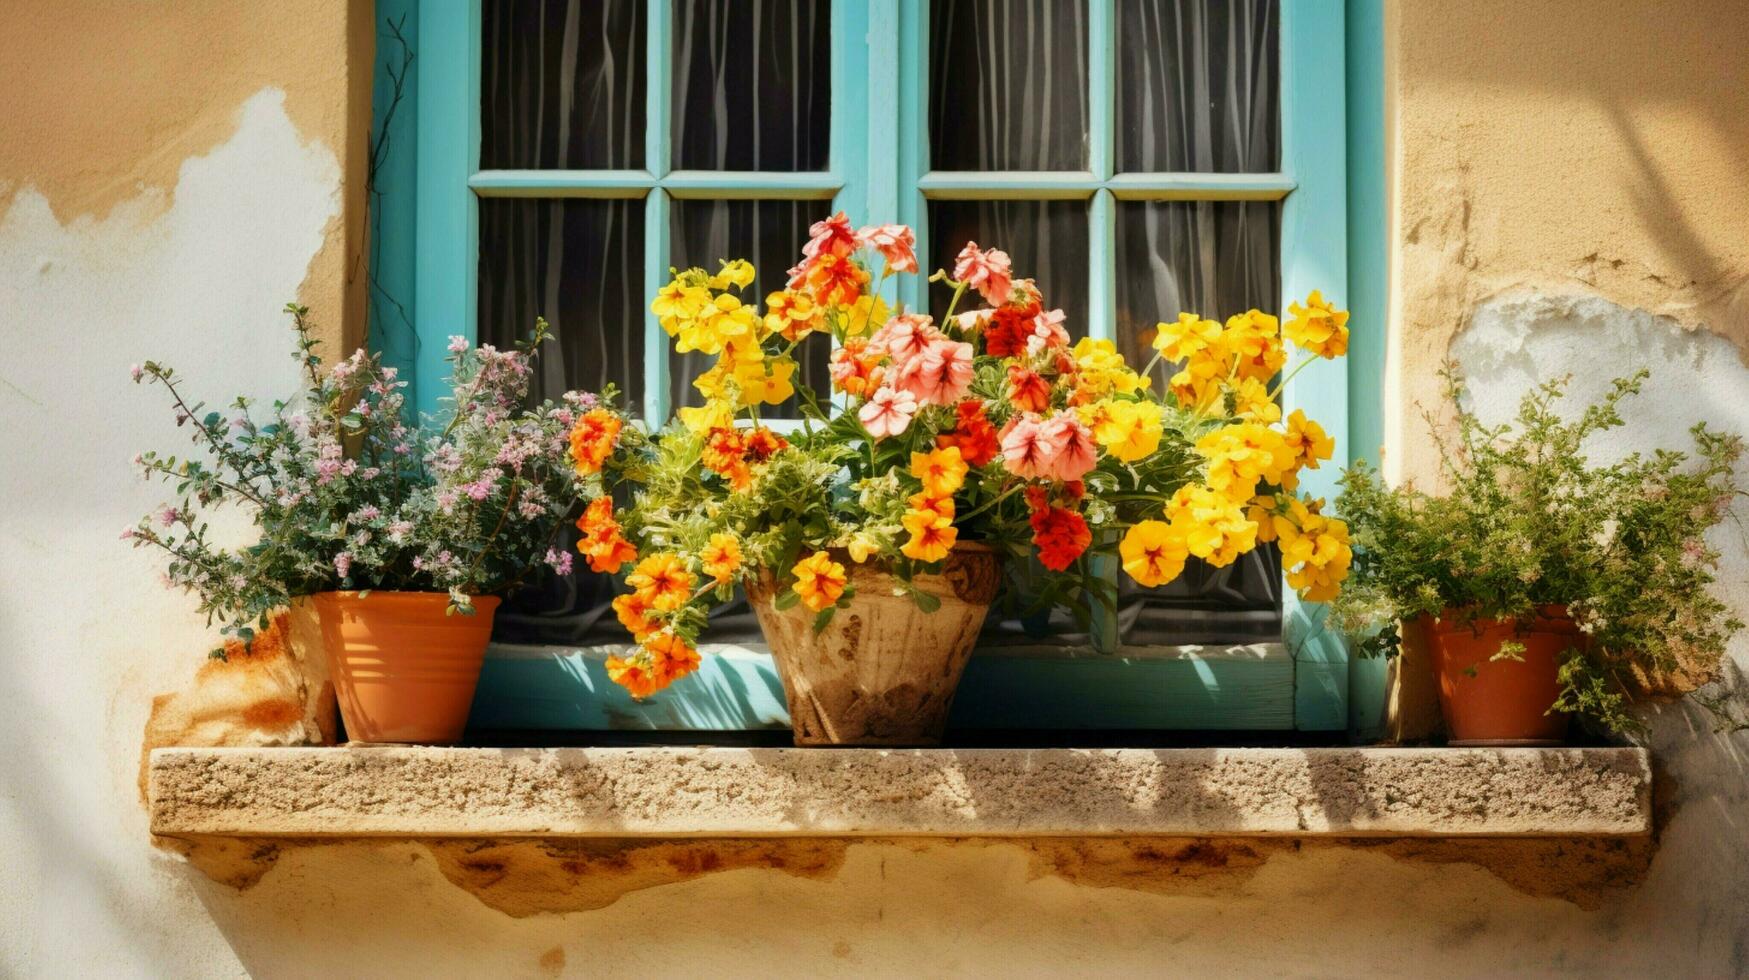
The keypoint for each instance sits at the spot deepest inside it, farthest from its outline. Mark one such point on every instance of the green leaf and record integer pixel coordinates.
(824, 618)
(786, 599)
(925, 601)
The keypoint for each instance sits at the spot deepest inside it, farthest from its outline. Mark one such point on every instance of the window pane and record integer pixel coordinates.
(562, 85)
(1215, 258)
(752, 84)
(1047, 241)
(1008, 85)
(769, 234)
(579, 263)
(1198, 84)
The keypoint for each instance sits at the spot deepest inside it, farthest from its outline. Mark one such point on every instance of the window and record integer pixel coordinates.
(1137, 156)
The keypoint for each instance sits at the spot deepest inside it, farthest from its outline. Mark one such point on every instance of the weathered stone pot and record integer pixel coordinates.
(882, 672)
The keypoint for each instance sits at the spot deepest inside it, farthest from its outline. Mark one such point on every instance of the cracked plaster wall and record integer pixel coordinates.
(173, 173)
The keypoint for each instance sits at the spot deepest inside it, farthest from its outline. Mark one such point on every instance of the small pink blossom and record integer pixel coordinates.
(1025, 451)
(136, 372)
(167, 516)
(559, 561)
(457, 344)
(990, 273)
(1072, 450)
(343, 564)
(887, 412)
(905, 337)
(896, 243)
(368, 512)
(128, 533)
(940, 375)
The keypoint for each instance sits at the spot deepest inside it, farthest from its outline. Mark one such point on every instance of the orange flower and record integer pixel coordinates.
(925, 500)
(819, 581)
(593, 439)
(633, 610)
(671, 657)
(854, 370)
(791, 315)
(1060, 534)
(762, 444)
(942, 471)
(721, 558)
(1028, 390)
(636, 678)
(932, 535)
(602, 543)
(836, 280)
(725, 453)
(663, 578)
(972, 434)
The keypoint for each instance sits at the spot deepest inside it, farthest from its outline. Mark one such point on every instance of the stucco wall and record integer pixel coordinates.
(1564, 174)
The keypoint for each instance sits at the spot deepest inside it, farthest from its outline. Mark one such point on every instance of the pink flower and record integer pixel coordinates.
(128, 534)
(887, 412)
(940, 375)
(1073, 452)
(559, 561)
(905, 336)
(896, 243)
(457, 343)
(1025, 451)
(1047, 332)
(343, 564)
(832, 236)
(990, 273)
(136, 372)
(168, 515)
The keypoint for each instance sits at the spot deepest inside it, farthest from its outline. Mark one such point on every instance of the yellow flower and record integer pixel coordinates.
(1242, 455)
(1153, 552)
(1318, 327)
(792, 315)
(771, 382)
(819, 581)
(862, 546)
(664, 579)
(721, 558)
(1250, 345)
(864, 315)
(677, 303)
(725, 319)
(1215, 528)
(1251, 401)
(714, 414)
(1102, 370)
(930, 502)
(1316, 552)
(1308, 443)
(737, 273)
(932, 534)
(942, 471)
(1185, 337)
(1128, 430)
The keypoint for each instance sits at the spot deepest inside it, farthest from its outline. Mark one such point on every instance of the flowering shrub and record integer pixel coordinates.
(990, 426)
(347, 495)
(1528, 521)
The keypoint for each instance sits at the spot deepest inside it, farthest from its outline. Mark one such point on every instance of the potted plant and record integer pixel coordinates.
(1548, 581)
(871, 536)
(396, 539)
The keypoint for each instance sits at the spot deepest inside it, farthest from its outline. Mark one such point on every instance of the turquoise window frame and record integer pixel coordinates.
(878, 170)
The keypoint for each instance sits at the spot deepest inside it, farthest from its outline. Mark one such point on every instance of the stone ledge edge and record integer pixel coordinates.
(684, 793)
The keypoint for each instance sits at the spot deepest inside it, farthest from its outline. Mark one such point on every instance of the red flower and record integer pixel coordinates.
(762, 444)
(1028, 390)
(1008, 329)
(1060, 534)
(972, 433)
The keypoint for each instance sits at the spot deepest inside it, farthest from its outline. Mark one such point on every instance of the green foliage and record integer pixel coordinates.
(1529, 519)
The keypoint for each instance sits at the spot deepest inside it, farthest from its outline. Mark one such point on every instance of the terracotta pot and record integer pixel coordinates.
(1506, 701)
(883, 672)
(403, 670)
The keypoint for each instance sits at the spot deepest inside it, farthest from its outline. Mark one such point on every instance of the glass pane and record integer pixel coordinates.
(769, 234)
(1008, 85)
(579, 263)
(1046, 240)
(1216, 258)
(562, 85)
(752, 84)
(1198, 86)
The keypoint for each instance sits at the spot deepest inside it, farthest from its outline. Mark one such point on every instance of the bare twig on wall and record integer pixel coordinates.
(397, 64)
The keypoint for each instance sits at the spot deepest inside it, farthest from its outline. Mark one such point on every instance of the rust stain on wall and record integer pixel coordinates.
(106, 102)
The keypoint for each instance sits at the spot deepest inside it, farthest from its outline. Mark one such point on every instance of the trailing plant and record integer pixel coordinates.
(991, 425)
(1529, 518)
(344, 493)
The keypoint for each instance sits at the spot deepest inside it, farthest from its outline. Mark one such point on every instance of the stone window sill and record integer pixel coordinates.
(315, 793)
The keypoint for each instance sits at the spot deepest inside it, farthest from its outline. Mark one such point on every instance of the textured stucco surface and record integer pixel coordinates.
(726, 792)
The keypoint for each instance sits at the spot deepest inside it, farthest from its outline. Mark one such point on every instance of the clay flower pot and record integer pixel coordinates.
(1505, 701)
(882, 672)
(402, 669)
